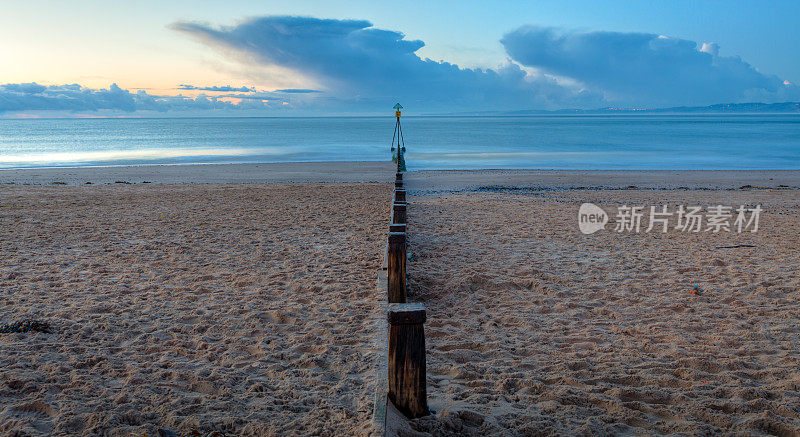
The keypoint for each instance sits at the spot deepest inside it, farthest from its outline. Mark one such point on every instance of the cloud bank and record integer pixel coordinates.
(217, 88)
(22, 97)
(363, 66)
(32, 96)
(644, 68)
(297, 91)
(348, 66)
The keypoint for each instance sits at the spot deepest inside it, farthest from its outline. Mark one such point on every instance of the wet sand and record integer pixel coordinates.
(443, 181)
(317, 172)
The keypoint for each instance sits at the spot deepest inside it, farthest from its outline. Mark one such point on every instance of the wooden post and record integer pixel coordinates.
(407, 376)
(399, 212)
(396, 267)
(399, 195)
(397, 227)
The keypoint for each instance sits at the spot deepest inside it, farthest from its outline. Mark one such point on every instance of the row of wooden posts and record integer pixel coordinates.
(406, 355)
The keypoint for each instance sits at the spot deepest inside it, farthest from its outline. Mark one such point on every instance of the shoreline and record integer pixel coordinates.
(187, 174)
(450, 181)
(423, 182)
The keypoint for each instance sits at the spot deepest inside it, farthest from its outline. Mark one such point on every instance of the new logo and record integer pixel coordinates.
(591, 218)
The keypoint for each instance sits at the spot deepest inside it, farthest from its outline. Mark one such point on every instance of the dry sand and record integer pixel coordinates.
(245, 309)
(251, 308)
(536, 329)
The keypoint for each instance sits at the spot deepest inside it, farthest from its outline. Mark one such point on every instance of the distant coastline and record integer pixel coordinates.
(719, 108)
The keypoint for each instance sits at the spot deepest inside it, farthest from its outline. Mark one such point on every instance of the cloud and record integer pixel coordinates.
(23, 97)
(24, 88)
(216, 88)
(32, 96)
(297, 91)
(359, 66)
(348, 66)
(711, 48)
(643, 68)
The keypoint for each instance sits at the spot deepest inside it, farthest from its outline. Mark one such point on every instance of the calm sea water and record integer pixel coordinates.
(542, 142)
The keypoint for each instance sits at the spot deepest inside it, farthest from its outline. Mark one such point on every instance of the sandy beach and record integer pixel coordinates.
(383, 219)
(242, 309)
(251, 309)
(537, 329)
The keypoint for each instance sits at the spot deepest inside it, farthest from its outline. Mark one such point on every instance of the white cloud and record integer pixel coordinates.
(350, 66)
(74, 98)
(643, 68)
(362, 67)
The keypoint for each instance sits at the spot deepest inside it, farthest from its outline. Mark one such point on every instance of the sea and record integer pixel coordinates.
(565, 142)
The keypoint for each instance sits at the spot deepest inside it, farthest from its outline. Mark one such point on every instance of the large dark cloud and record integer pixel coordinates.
(644, 68)
(367, 67)
(23, 97)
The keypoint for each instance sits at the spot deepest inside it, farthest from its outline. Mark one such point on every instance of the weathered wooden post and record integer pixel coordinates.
(396, 267)
(407, 376)
(399, 195)
(397, 227)
(399, 212)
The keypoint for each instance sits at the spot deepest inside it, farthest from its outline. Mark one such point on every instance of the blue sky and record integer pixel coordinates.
(200, 56)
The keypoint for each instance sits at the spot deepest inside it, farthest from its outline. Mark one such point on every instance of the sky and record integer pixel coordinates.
(87, 57)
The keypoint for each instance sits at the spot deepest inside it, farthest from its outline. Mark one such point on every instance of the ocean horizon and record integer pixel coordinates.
(549, 141)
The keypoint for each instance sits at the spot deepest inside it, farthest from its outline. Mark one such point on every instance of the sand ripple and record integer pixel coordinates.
(239, 308)
(536, 329)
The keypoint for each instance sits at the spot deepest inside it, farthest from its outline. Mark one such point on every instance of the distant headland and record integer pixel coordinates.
(720, 108)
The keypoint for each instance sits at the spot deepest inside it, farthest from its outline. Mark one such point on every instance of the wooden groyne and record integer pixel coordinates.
(401, 371)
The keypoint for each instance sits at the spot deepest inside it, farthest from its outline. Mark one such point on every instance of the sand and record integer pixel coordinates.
(442, 181)
(251, 309)
(318, 172)
(537, 329)
(245, 309)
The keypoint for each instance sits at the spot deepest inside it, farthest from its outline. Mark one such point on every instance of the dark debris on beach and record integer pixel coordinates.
(25, 325)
